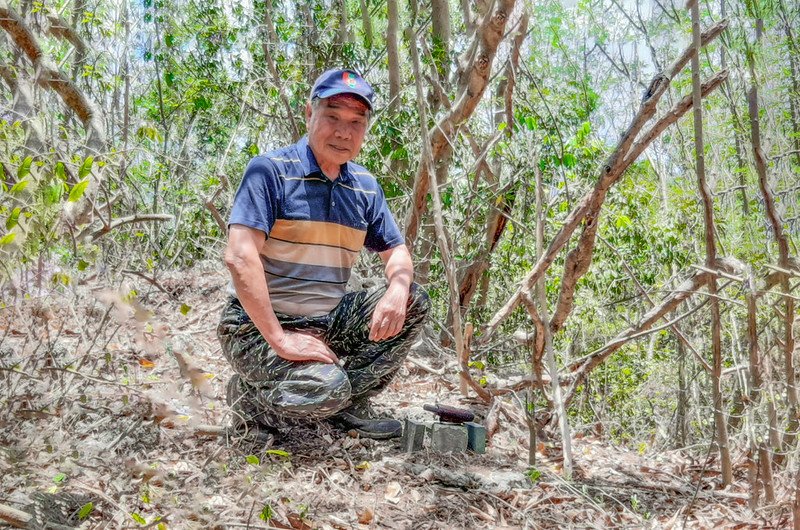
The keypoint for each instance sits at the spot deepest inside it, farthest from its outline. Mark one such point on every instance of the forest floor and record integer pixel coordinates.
(110, 412)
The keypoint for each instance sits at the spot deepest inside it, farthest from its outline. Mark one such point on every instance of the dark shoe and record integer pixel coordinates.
(362, 419)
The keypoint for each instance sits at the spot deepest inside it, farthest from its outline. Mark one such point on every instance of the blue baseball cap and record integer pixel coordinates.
(342, 81)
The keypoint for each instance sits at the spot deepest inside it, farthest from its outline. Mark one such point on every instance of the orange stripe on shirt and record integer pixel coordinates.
(319, 233)
(309, 254)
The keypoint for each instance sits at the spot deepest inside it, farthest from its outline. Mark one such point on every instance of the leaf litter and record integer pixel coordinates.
(120, 397)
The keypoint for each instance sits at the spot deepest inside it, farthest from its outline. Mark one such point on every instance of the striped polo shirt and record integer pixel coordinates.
(315, 226)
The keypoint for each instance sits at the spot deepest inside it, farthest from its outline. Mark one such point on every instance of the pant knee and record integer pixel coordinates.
(318, 395)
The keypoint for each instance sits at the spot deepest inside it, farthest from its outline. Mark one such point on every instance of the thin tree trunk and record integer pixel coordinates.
(681, 414)
(393, 56)
(560, 407)
(440, 20)
(711, 256)
(366, 22)
(271, 39)
(473, 81)
(776, 222)
(794, 75)
(741, 166)
(758, 442)
(441, 236)
(343, 35)
(633, 142)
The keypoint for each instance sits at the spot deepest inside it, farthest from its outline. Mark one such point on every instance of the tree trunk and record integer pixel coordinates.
(440, 20)
(776, 223)
(711, 256)
(560, 407)
(366, 22)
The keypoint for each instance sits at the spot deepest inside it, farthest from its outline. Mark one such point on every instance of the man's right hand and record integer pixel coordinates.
(297, 346)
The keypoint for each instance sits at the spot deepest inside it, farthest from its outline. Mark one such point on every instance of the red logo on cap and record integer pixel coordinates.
(349, 79)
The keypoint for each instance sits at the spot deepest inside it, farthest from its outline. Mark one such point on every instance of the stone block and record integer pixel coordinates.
(448, 437)
(476, 437)
(413, 436)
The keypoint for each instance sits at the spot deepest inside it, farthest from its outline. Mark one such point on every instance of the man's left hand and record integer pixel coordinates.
(390, 314)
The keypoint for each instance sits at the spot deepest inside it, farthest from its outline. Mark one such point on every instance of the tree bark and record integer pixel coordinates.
(559, 405)
(440, 21)
(711, 256)
(393, 56)
(366, 23)
(500, 209)
(776, 223)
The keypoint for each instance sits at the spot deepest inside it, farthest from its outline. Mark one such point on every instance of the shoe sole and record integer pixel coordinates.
(379, 436)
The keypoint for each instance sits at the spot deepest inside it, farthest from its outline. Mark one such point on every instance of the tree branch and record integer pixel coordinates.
(473, 82)
(615, 166)
(136, 218)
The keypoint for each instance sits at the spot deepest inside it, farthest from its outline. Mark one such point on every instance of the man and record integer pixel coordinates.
(302, 348)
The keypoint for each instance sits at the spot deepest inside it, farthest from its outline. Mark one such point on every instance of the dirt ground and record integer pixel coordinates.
(112, 415)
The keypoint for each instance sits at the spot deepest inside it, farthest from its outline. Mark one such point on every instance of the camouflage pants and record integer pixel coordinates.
(280, 393)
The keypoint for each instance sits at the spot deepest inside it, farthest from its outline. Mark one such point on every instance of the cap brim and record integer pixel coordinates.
(324, 94)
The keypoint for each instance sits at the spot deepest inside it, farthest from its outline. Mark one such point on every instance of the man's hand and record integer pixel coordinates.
(390, 313)
(297, 346)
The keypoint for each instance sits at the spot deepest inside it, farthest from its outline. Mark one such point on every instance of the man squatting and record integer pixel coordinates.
(301, 347)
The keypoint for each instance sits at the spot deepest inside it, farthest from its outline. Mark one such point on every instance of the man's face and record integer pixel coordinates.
(336, 129)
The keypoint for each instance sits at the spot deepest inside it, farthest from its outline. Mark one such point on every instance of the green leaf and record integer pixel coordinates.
(77, 190)
(138, 518)
(24, 168)
(277, 452)
(52, 194)
(169, 40)
(13, 219)
(185, 309)
(7, 239)
(61, 171)
(266, 513)
(86, 167)
(82, 265)
(252, 460)
(201, 103)
(623, 221)
(85, 510)
(20, 186)
(60, 477)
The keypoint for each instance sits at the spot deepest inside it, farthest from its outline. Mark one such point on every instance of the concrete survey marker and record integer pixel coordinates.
(413, 436)
(448, 438)
(476, 437)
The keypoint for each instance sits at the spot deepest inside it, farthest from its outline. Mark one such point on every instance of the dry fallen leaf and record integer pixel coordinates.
(146, 363)
(365, 516)
(393, 490)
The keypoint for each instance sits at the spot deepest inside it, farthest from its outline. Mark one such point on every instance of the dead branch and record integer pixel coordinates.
(49, 76)
(61, 29)
(590, 204)
(14, 517)
(584, 366)
(136, 218)
(472, 84)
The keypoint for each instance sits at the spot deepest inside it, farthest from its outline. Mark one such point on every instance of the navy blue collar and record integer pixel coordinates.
(310, 165)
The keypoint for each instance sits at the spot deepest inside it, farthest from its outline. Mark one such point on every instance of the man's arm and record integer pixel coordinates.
(390, 313)
(243, 260)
